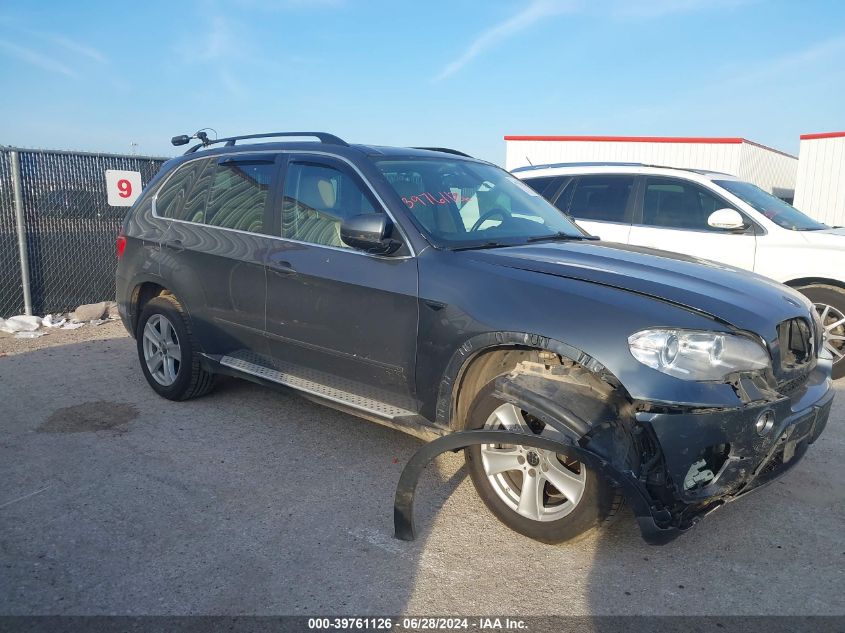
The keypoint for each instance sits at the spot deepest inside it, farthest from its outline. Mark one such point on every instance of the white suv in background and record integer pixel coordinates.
(707, 215)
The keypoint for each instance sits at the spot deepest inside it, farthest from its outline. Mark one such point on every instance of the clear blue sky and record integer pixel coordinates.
(101, 75)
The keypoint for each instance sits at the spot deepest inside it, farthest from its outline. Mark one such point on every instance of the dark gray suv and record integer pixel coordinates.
(432, 292)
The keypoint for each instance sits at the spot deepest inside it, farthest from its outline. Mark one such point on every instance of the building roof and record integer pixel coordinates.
(811, 137)
(711, 140)
(633, 139)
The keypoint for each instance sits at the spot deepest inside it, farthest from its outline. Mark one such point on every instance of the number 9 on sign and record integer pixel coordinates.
(122, 187)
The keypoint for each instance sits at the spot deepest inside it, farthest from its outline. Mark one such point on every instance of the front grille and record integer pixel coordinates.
(795, 339)
(797, 354)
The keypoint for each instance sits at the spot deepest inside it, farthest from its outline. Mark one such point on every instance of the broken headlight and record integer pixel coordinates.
(696, 354)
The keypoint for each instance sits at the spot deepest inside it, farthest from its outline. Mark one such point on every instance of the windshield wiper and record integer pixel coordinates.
(560, 236)
(483, 245)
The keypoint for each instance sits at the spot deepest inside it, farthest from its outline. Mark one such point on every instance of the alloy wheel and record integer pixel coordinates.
(162, 351)
(538, 484)
(834, 330)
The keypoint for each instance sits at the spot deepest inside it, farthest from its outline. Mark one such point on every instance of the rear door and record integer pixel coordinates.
(602, 204)
(216, 244)
(672, 215)
(347, 314)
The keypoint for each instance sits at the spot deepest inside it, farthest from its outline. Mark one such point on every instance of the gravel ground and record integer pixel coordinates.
(115, 501)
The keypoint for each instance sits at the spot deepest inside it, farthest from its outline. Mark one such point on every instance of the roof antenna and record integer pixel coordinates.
(529, 161)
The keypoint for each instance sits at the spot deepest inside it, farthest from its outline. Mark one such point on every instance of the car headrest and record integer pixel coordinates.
(317, 193)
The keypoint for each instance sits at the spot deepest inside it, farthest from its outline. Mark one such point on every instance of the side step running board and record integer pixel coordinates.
(340, 392)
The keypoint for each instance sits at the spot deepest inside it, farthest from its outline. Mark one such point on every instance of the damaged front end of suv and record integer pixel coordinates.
(686, 419)
(674, 463)
(703, 458)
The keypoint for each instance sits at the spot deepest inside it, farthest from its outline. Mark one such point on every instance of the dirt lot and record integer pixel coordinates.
(254, 501)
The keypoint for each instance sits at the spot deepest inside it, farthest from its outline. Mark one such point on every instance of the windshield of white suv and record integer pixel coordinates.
(465, 204)
(780, 212)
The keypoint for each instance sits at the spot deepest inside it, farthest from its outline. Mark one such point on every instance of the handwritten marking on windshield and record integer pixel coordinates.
(441, 197)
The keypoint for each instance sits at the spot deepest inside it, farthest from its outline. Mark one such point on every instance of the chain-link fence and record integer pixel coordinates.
(69, 227)
(11, 288)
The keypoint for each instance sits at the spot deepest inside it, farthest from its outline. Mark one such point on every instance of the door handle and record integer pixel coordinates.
(282, 267)
(175, 245)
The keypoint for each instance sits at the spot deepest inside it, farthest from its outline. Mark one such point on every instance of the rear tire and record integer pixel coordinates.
(560, 516)
(830, 304)
(168, 352)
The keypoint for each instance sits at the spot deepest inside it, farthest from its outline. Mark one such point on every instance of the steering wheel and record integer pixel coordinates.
(492, 213)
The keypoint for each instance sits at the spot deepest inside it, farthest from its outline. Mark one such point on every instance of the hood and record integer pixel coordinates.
(833, 237)
(730, 295)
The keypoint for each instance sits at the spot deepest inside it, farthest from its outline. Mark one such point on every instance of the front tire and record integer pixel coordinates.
(545, 496)
(169, 355)
(830, 304)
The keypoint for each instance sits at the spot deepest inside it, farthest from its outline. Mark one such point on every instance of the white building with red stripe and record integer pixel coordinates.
(768, 168)
(820, 186)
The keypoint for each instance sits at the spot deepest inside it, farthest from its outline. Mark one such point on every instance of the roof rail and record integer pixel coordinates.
(323, 137)
(617, 164)
(582, 164)
(445, 150)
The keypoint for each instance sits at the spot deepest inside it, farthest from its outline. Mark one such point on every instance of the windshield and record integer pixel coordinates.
(780, 212)
(464, 204)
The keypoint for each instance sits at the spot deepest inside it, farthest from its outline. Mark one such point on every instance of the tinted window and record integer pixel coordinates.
(238, 195)
(679, 204)
(601, 198)
(546, 186)
(183, 195)
(317, 199)
(780, 212)
(461, 203)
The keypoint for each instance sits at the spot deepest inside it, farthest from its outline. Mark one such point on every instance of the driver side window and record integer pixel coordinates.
(679, 204)
(317, 198)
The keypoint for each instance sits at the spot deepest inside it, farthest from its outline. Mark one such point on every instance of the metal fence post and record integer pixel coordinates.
(20, 223)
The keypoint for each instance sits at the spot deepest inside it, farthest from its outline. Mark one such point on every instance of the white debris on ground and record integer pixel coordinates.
(21, 323)
(23, 326)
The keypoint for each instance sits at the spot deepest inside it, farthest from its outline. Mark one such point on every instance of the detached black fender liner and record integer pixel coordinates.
(656, 524)
(652, 522)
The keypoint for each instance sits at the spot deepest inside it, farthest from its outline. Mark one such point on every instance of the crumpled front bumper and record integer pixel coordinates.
(726, 442)
(663, 506)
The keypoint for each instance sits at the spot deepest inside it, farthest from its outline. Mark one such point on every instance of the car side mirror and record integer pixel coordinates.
(726, 220)
(369, 232)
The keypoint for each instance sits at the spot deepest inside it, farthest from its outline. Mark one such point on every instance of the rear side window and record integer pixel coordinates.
(602, 198)
(679, 204)
(238, 195)
(183, 195)
(317, 199)
(229, 194)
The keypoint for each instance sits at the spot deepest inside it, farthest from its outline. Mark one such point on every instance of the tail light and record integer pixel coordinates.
(121, 245)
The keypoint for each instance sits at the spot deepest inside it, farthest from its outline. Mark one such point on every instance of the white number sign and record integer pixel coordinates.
(123, 187)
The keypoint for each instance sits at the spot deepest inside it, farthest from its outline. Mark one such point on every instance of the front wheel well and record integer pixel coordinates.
(814, 281)
(486, 366)
(490, 364)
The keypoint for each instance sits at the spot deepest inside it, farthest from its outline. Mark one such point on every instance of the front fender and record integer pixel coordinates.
(639, 382)
(467, 307)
